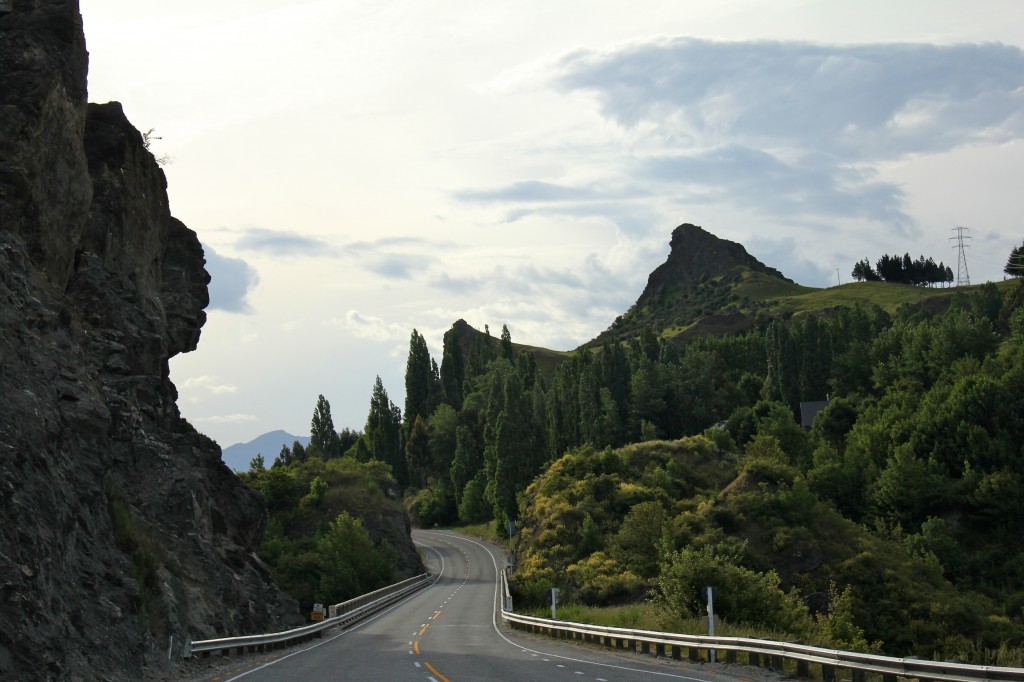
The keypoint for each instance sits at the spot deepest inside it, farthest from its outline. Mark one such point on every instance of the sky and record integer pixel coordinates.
(358, 169)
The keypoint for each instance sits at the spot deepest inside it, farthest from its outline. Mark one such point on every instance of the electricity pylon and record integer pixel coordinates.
(963, 278)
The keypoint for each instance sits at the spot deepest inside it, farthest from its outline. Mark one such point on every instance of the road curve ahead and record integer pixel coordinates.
(451, 632)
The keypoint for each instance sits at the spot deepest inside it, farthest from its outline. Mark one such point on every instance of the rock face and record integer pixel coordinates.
(694, 283)
(120, 527)
(697, 255)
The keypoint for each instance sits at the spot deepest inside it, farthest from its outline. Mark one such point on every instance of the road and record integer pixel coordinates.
(449, 632)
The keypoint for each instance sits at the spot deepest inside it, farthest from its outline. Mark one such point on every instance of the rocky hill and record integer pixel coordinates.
(697, 281)
(120, 523)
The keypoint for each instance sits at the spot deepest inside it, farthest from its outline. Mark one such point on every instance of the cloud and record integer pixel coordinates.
(236, 418)
(858, 101)
(732, 173)
(785, 256)
(399, 258)
(529, 191)
(231, 280)
(790, 133)
(372, 327)
(209, 383)
(280, 243)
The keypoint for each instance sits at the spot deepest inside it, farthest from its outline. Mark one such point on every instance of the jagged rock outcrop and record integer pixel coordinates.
(694, 282)
(120, 527)
(696, 255)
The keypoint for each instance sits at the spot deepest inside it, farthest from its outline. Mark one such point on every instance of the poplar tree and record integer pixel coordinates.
(453, 369)
(420, 380)
(506, 343)
(384, 433)
(322, 436)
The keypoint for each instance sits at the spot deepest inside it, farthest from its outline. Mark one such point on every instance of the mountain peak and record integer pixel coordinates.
(696, 255)
(695, 281)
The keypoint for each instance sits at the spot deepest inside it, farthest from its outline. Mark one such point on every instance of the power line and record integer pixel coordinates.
(963, 278)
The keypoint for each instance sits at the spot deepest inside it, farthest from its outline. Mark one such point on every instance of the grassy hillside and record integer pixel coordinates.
(729, 305)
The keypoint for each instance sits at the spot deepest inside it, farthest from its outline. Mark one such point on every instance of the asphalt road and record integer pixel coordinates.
(449, 632)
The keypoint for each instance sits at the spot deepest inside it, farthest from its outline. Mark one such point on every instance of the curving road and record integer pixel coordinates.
(451, 632)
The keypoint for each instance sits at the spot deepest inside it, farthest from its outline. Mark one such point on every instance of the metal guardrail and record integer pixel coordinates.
(771, 653)
(341, 614)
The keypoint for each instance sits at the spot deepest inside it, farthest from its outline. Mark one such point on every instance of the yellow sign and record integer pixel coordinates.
(316, 615)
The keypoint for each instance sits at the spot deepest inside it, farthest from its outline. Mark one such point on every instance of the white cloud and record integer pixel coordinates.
(373, 327)
(226, 419)
(209, 384)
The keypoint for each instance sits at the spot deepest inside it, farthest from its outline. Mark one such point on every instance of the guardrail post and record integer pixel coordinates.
(730, 656)
(803, 669)
(645, 646)
(677, 652)
(754, 659)
(779, 663)
(828, 673)
(859, 676)
(659, 649)
(693, 653)
(888, 677)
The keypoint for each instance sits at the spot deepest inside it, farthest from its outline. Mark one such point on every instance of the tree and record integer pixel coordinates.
(466, 462)
(384, 432)
(862, 271)
(417, 452)
(421, 381)
(349, 563)
(506, 343)
(453, 369)
(322, 435)
(1015, 263)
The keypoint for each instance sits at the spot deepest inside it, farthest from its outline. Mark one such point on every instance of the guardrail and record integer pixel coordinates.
(341, 614)
(768, 653)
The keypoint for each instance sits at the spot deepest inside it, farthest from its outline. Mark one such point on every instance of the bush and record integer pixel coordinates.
(743, 595)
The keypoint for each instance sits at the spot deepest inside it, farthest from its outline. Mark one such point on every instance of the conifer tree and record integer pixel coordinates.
(417, 452)
(453, 369)
(506, 343)
(1015, 263)
(322, 436)
(420, 380)
(384, 433)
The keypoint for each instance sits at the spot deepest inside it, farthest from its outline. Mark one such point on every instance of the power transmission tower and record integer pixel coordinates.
(963, 278)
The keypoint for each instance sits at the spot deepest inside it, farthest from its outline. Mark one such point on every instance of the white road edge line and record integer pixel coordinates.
(494, 622)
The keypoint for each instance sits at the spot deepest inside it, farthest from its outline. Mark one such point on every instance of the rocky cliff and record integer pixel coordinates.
(120, 527)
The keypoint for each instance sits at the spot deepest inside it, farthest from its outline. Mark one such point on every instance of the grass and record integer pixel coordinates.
(484, 531)
(656, 617)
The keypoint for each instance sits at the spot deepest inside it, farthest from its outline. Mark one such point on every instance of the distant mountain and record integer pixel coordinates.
(238, 456)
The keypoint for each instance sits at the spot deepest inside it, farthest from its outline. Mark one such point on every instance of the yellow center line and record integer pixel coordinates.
(437, 674)
(420, 633)
(436, 614)
(416, 647)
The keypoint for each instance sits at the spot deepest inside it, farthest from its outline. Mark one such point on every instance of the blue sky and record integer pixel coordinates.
(360, 169)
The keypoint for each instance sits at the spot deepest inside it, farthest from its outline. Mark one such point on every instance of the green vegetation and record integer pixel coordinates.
(903, 270)
(886, 525)
(1015, 262)
(653, 468)
(132, 538)
(318, 541)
